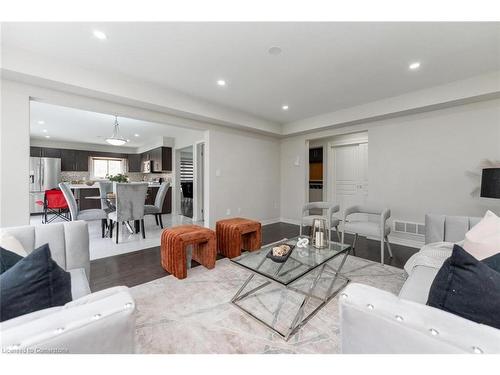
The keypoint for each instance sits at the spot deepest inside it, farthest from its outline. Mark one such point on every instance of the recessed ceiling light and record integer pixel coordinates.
(284, 108)
(274, 50)
(136, 135)
(41, 122)
(100, 35)
(47, 136)
(221, 82)
(415, 65)
(44, 130)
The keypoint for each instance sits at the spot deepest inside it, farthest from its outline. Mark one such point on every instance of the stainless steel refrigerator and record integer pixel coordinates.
(45, 174)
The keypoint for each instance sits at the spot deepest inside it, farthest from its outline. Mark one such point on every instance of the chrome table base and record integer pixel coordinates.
(299, 319)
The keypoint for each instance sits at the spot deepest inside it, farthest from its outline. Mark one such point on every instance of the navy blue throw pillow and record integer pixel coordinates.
(34, 283)
(8, 259)
(493, 262)
(467, 287)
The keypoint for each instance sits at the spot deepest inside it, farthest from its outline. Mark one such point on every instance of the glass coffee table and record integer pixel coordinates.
(305, 282)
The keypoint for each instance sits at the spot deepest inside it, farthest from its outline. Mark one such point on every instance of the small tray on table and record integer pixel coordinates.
(280, 259)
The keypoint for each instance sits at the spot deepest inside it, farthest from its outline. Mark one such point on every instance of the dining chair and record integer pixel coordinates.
(364, 224)
(105, 187)
(86, 215)
(130, 198)
(150, 209)
(331, 221)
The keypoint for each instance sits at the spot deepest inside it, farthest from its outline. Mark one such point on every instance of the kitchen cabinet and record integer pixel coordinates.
(162, 159)
(134, 163)
(35, 152)
(166, 158)
(156, 157)
(74, 160)
(78, 160)
(68, 160)
(51, 152)
(82, 161)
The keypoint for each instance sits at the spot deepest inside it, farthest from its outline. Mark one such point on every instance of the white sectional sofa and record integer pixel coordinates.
(102, 322)
(376, 321)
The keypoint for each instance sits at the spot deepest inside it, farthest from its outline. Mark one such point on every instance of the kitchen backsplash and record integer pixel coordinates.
(133, 176)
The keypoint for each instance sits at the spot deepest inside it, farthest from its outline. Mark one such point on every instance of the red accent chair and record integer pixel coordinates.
(54, 203)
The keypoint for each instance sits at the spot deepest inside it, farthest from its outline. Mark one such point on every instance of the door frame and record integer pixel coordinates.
(199, 181)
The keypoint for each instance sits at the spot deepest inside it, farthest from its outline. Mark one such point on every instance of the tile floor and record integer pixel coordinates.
(106, 247)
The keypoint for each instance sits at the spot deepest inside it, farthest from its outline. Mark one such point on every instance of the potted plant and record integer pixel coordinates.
(117, 178)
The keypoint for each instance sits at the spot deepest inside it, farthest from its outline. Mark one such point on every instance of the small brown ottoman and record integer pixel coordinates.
(173, 248)
(236, 234)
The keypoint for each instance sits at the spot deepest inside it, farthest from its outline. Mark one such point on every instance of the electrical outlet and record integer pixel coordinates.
(239, 210)
(228, 212)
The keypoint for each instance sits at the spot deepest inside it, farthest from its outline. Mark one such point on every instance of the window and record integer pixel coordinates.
(102, 167)
(186, 170)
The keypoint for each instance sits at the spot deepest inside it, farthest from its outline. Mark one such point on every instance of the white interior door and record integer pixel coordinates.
(350, 175)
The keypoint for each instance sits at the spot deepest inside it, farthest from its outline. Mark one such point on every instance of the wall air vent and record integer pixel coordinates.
(409, 227)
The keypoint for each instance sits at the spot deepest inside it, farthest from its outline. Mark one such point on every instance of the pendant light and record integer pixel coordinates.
(115, 139)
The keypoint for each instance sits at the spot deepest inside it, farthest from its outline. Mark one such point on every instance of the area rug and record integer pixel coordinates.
(195, 315)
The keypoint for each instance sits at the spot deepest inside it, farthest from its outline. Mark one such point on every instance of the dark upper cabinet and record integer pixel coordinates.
(156, 158)
(166, 158)
(82, 161)
(68, 160)
(51, 152)
(74, 160)
(134, 163)
(35, 151)
(162, 159)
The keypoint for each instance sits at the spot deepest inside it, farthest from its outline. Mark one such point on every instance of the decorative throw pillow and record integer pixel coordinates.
(11, 243)
(493, 262)
(34, 283)
(483, 239)
(7, 259)
(467, 287)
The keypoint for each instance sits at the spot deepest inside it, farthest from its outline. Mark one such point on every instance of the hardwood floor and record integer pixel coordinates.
(144, 265)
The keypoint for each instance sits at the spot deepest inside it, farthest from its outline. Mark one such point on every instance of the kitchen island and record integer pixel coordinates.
(83, 191)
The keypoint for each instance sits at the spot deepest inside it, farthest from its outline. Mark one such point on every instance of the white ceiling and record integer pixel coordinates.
(323, 67)
(65, 124)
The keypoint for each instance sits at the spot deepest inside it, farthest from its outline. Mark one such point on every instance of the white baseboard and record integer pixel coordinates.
(409, 242)
(290, 221)
(270, 221)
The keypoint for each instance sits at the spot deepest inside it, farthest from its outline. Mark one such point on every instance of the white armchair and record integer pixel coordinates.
(366, 227)
(102, 322)
(376, 321)
(331, 221)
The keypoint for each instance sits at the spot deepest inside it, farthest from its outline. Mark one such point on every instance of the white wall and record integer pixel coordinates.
(417, 163)
(244, 173)
(14, 157)
(249, 162)
(188, 139)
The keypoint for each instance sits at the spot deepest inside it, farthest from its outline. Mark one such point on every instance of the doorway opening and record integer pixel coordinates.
(186, 180)
(338, 170)
(348, 170)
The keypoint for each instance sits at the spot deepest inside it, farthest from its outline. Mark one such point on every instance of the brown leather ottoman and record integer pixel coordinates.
(236, 234)
(173, 248)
